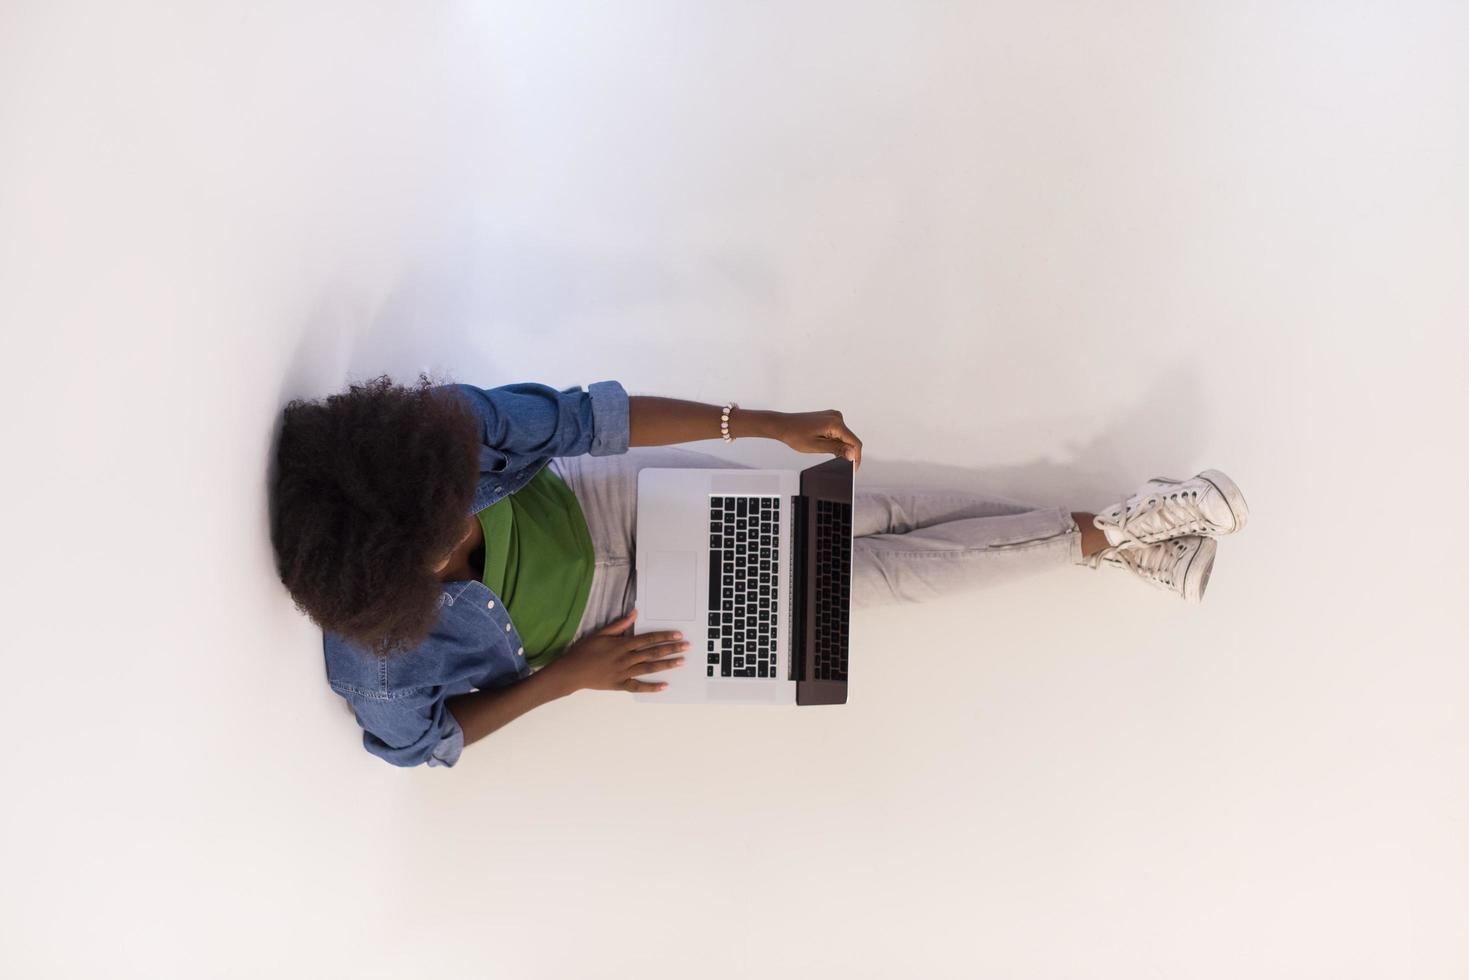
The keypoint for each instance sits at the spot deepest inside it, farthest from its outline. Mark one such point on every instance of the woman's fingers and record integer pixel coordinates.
(642, 641)
(650, 655)
(619, 625)
(645, 665)
(855, 452)
(851, 446)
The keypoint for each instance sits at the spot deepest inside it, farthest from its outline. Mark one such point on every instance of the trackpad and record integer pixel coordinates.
(671, 586)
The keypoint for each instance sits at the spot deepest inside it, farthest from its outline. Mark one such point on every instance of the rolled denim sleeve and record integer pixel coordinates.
(528, 419)
(409, 728)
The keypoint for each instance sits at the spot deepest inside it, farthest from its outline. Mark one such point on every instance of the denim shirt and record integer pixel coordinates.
(399, 699)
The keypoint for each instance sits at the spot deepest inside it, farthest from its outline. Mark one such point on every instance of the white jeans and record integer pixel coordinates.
(909, 544)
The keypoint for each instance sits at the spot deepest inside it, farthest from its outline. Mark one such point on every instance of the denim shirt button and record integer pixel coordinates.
(491, 604)
(520, 651)
(507, 627)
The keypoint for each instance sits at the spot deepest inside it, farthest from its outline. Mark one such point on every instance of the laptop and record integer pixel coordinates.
(754, 567)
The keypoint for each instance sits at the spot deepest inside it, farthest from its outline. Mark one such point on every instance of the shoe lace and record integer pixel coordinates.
(1179, 510)
(1154, 562)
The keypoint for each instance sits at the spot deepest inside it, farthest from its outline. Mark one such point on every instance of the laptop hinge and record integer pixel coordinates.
(797, 666)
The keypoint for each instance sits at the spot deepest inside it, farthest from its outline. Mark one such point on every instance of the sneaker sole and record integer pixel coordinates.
(1232, 496)
(1196, 576)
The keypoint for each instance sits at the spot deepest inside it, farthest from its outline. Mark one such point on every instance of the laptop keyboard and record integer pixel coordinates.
(832, 568)
(744, 540)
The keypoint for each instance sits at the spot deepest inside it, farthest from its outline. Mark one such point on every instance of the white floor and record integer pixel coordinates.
(1049, 249)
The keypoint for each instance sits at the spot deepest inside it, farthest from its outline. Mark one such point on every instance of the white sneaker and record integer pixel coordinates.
(1210, 504)
(1179, 565)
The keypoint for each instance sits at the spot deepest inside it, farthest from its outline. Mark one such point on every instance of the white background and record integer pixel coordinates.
(1043, 248)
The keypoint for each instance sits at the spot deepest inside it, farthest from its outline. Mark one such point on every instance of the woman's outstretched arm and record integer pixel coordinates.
(655, 421)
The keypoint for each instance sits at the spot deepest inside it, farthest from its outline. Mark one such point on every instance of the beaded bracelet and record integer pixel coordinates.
(724, 421)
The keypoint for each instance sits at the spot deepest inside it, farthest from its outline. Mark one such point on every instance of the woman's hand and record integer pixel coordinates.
(607, 661)
(818, 432)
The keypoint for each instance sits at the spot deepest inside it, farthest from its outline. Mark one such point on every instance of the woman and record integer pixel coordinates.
(463, 549)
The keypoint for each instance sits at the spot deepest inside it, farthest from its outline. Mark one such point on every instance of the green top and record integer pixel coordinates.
(539, 561)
